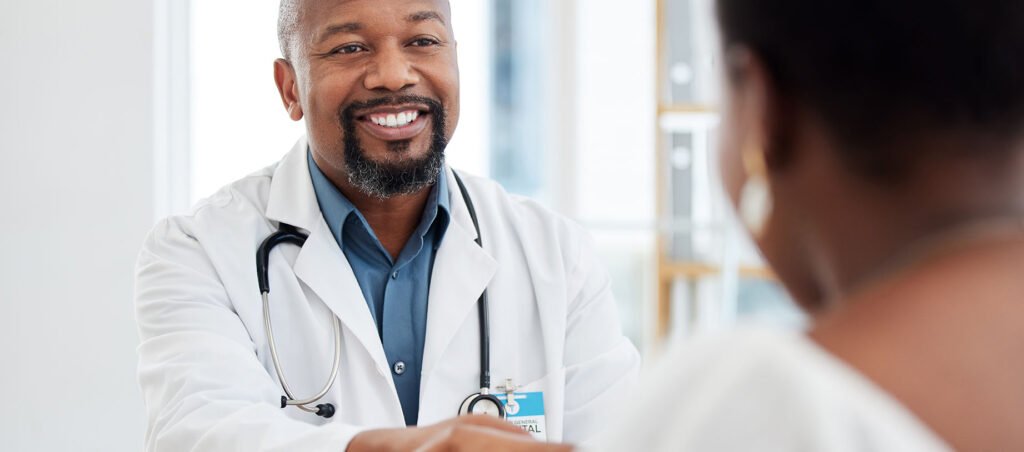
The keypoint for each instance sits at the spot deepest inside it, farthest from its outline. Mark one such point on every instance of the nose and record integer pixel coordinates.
(390, 70)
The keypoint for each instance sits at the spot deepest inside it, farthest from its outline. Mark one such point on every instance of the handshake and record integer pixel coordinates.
(465, 433)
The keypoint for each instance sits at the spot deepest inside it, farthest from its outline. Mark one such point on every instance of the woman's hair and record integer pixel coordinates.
(885, 73)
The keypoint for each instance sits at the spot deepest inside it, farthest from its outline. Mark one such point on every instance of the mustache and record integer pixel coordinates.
(349, 112)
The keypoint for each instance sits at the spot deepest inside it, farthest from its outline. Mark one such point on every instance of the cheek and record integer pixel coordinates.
(451, 95)
(439, 75)
(329, 89)
(452, 118)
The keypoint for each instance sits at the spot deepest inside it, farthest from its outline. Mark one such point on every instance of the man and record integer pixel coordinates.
(395, 253)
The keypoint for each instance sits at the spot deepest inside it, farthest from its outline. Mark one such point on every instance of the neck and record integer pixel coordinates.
(943, 337)
(879, 232)
(392, 219)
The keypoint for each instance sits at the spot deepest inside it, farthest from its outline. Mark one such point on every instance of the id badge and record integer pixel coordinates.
(527, 412)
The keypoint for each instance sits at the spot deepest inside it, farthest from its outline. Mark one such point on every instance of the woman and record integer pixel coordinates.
(875, 150)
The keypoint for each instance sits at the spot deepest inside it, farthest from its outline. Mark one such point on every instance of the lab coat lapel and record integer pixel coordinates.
(462, 271)
(321, 265)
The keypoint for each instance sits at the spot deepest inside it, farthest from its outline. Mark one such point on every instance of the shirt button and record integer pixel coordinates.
(394, 275)
(399, 368)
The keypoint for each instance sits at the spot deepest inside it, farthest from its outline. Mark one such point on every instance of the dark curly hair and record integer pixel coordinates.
(884, 73)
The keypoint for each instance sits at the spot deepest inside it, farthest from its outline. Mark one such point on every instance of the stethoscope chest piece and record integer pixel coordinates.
(482, 403)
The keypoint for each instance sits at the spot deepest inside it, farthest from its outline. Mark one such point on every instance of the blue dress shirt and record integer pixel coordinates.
(395, 290)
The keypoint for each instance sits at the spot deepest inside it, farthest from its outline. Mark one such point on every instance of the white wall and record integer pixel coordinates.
(76, 203)
(238, 123)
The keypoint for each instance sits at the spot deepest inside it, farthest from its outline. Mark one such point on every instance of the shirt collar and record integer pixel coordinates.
(439, 202)
(336, 208)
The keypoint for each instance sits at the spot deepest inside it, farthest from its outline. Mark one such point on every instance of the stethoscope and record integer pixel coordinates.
(482, 402)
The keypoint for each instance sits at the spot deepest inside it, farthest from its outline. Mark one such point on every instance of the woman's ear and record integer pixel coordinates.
(284, 76)
(763, 110)
(762, 152)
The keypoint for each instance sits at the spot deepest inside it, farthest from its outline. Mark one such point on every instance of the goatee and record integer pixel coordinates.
(384, 180)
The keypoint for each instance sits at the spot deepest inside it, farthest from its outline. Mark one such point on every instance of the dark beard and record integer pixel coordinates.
(384, 180)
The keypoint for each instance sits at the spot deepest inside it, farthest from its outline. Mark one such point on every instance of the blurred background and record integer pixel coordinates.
(117, 113)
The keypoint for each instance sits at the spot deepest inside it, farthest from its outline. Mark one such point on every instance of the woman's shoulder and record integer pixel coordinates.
(769, 390)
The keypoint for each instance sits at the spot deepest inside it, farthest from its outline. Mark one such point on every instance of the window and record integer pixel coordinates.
(573, 127)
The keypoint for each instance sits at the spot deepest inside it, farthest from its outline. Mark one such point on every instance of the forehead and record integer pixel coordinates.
(320, 14)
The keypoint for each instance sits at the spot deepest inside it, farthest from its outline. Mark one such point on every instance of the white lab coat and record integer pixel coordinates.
(204, 362)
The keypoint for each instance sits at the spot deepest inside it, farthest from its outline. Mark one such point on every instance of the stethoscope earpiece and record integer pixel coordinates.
(325, 410)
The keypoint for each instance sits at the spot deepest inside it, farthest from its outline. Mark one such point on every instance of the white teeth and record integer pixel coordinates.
(395, 120)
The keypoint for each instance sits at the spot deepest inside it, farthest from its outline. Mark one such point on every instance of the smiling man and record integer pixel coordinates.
(404, 293)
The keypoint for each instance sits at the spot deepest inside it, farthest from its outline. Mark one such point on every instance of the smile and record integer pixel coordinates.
(399, 124)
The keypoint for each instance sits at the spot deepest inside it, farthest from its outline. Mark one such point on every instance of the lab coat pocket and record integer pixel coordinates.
(552, 388)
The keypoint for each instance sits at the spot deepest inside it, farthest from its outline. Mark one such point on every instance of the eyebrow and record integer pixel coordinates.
(423, 16)
(352, 27)
(331, 30)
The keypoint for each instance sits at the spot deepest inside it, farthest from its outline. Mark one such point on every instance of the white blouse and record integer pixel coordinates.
(761, 390)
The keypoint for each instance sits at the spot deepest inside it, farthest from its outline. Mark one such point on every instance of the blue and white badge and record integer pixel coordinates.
(526, 409)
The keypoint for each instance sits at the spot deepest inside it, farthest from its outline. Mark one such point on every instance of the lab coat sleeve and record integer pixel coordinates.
(204, 388)
(601, 363)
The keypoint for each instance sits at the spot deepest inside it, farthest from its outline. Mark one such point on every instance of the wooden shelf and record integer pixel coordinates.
(677, 117)
(756, 272)
(691, 270)
(686, 109)
(695, 270)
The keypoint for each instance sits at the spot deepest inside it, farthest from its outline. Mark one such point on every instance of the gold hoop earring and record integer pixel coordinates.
(755, 203)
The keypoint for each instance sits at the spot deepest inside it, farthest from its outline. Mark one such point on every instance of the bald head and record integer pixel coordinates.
(290, 17)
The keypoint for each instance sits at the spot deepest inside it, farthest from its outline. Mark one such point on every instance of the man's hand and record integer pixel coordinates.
(466, 433)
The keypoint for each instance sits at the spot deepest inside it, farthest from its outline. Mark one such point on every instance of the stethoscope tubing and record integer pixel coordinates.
(335, 366)
(289, 234)
(485, 333)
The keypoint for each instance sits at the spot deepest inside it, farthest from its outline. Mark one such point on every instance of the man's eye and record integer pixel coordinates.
(348, 49)
(424, 42)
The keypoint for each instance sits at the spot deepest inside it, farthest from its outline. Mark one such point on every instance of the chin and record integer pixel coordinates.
(398, 153)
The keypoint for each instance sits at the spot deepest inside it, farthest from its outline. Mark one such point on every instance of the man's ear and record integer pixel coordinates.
(284, 76)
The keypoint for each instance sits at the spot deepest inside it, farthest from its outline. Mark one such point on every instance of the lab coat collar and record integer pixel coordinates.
(462, 269)
(292, 199)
